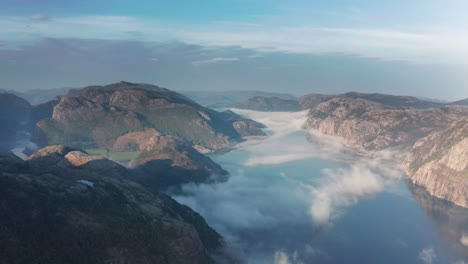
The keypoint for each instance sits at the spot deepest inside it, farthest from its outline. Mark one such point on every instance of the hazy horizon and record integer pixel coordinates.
(416, 49)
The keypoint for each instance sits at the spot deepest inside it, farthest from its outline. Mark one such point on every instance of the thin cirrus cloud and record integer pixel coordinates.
(214, 61)
(46, 61)
(424, 46)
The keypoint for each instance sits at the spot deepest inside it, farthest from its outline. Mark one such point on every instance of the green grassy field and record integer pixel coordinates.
(114, 155)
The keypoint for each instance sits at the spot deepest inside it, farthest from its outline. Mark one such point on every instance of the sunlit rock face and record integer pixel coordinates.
(62, 199)
(97, 116)
(373, 126)
(437, 137)
(439, 162)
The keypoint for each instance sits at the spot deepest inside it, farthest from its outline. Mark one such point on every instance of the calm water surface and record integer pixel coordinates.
(269, 209)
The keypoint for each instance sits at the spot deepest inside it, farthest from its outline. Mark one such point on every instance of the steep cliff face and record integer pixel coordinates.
(439, 162)
(372, 126)
(60, 207)
(96, 116)
(437, 137)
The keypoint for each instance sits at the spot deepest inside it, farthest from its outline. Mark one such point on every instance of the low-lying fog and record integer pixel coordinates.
(298, 197)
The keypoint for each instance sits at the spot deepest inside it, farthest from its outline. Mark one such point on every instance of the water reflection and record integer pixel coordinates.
(450, 219)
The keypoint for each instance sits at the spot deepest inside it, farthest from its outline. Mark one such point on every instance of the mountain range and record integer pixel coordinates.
(69, 203)
(309, 101)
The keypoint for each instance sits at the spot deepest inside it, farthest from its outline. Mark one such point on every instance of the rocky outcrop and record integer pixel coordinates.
(439, 162)
(373, 126)
(65, 211)
(270, 104)
(96, 116)
(169, 161)
(136, 141)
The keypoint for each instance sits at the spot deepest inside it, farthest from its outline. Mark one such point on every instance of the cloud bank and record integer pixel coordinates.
(283, 183)
(422, 46)
(46, 62)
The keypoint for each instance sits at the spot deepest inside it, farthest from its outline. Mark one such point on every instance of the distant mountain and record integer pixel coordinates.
(311, 100)
(228, 99)
(97, 116)
(461, 102)
(65, 206)
(373, 126)
(270, 104)
(39, 96)
(15, 113)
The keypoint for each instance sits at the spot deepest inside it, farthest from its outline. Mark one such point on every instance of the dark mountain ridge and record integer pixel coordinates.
(63, 205)
(14, 120)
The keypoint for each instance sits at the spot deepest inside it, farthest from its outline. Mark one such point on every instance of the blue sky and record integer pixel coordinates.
(430, 33)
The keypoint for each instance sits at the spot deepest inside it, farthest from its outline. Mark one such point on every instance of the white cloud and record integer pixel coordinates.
(429, 45)
(427, 255)
(39, 17)
(214, 61)
(343, 187)
(464, 240)
(261, 195)
(281, 257)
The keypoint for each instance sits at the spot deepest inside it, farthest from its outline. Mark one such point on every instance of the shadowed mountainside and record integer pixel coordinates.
(65, 206)
(15, 114)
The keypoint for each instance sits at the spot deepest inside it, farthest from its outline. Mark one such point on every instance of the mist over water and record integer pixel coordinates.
(298, 197)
